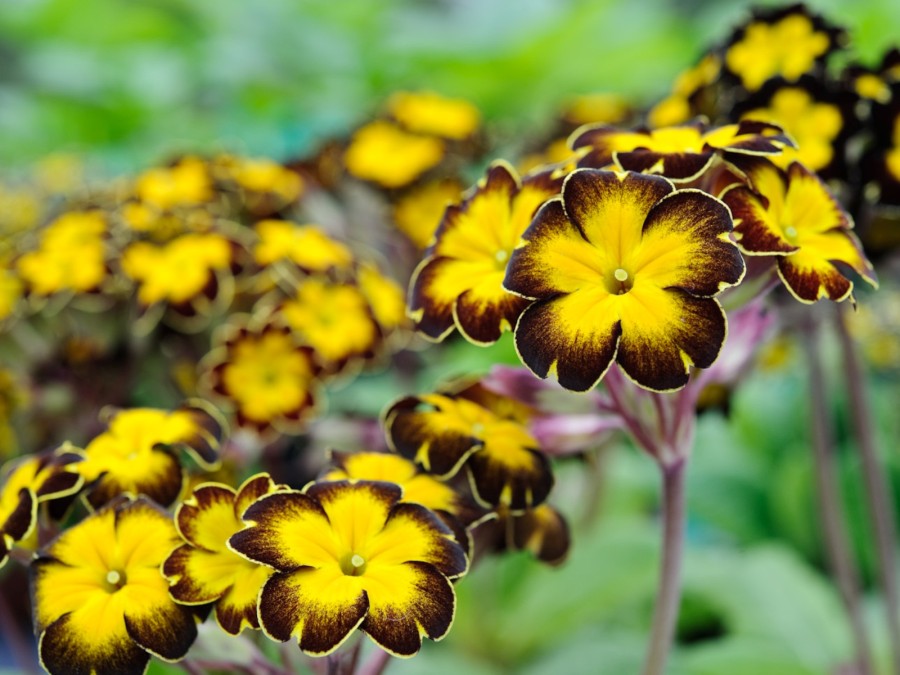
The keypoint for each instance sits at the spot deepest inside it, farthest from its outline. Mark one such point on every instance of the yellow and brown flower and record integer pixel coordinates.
(624, 268)
(791, 214)
(264, 375)
(100, 603)
(786, 42)
(542, 531)
(352, 555)
(204, 570)
(459, 283)
(138, 453)
(681, 153)
(479, 430)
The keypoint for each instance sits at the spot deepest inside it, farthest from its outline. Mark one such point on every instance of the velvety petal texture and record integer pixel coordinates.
(459, 282)
(623, 268)
(347, 555)
(100, 602)
(793, 215)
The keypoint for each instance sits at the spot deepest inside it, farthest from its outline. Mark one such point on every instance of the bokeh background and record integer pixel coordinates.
(121, 84)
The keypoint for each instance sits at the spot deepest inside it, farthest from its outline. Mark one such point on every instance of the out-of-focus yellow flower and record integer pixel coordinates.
(186, 183)
(307, 246)
(385, 154)
(418, 212)
(426, 112)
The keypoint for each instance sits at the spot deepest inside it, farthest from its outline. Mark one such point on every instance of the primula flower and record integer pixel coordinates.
(307, 246)
(71, 255)
(542, 531)
(680, 153)
(264, 374)
(178, 271)
(386, 298)
(204, 570)
(692, 94)
(387, 155)
(352, 555)
(624, 268)
(100, 603)
(792, 215)
(459, 283)
(475, 428)
(819, 120)
(264, 183)
(426, 112)
(334, 319)
(418, 212)
(787, 42)
(185, 183)
(137, 454)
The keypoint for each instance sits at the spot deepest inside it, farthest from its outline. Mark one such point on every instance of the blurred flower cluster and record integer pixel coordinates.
(186, 351)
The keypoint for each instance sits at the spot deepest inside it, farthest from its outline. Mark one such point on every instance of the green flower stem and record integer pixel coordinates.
(878, 492)
(840, 559)
(668, 599)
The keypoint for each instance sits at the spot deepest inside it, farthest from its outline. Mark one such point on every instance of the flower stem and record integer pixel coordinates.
(376, 664)
(840, 560)
(878, 495)
(668, 599)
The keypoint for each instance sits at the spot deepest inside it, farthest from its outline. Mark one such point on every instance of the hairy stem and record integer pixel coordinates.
(840, 560)
(878, 494)
(668, 599)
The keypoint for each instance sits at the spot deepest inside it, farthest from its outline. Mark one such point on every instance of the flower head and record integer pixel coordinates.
(100, 602)
(306, 246)
(624, 268)
(203, 569)
(262, 372)
(787, 42)
(389, 156)
(185, 183)
(137, 453)
(426, 112)
(479, 430)
(352, 555)
(792, 215)
(418, 212)
(680, 153)
(459, 283)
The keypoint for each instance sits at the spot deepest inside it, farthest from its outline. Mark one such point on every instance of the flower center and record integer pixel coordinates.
(790, 232)
(502, 257)
(353, 565)
(620, 282)
(115, 580)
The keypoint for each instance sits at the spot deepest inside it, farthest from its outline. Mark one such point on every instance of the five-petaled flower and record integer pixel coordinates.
(100, 602)
(352, 555)
(478, 429)
(137, 454)
(459, 283)
(624, 268)
(792, 215)
(204, 570)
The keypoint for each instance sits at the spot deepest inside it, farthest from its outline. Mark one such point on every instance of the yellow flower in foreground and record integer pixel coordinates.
(385, 154)
(268, 378)
(137, 454)
(71, 255)
(352, 555)
(792, 215)
(787, 42)
(475, 428)
(460, 281)
(178, 271)
(100, 603)
(624, 268)
(425, 112)
(204, 570)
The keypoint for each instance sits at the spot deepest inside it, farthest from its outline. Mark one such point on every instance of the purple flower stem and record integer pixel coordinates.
(878, 493)
(837, 548)
(668, 597)
(376, 664)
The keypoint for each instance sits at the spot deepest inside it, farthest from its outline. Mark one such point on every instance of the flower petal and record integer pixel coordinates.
(436, 284)
(574, 336)
(321, 607)
(206, 518)
(676, 166)
(407, 602)
(505, 473)
(685, 245)
(200, 576)
(164, 629)
(159, 476)
(74, 644)
(237, 609)
(289, 530)
(664, 333)
(553, 256)
(544, 532)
